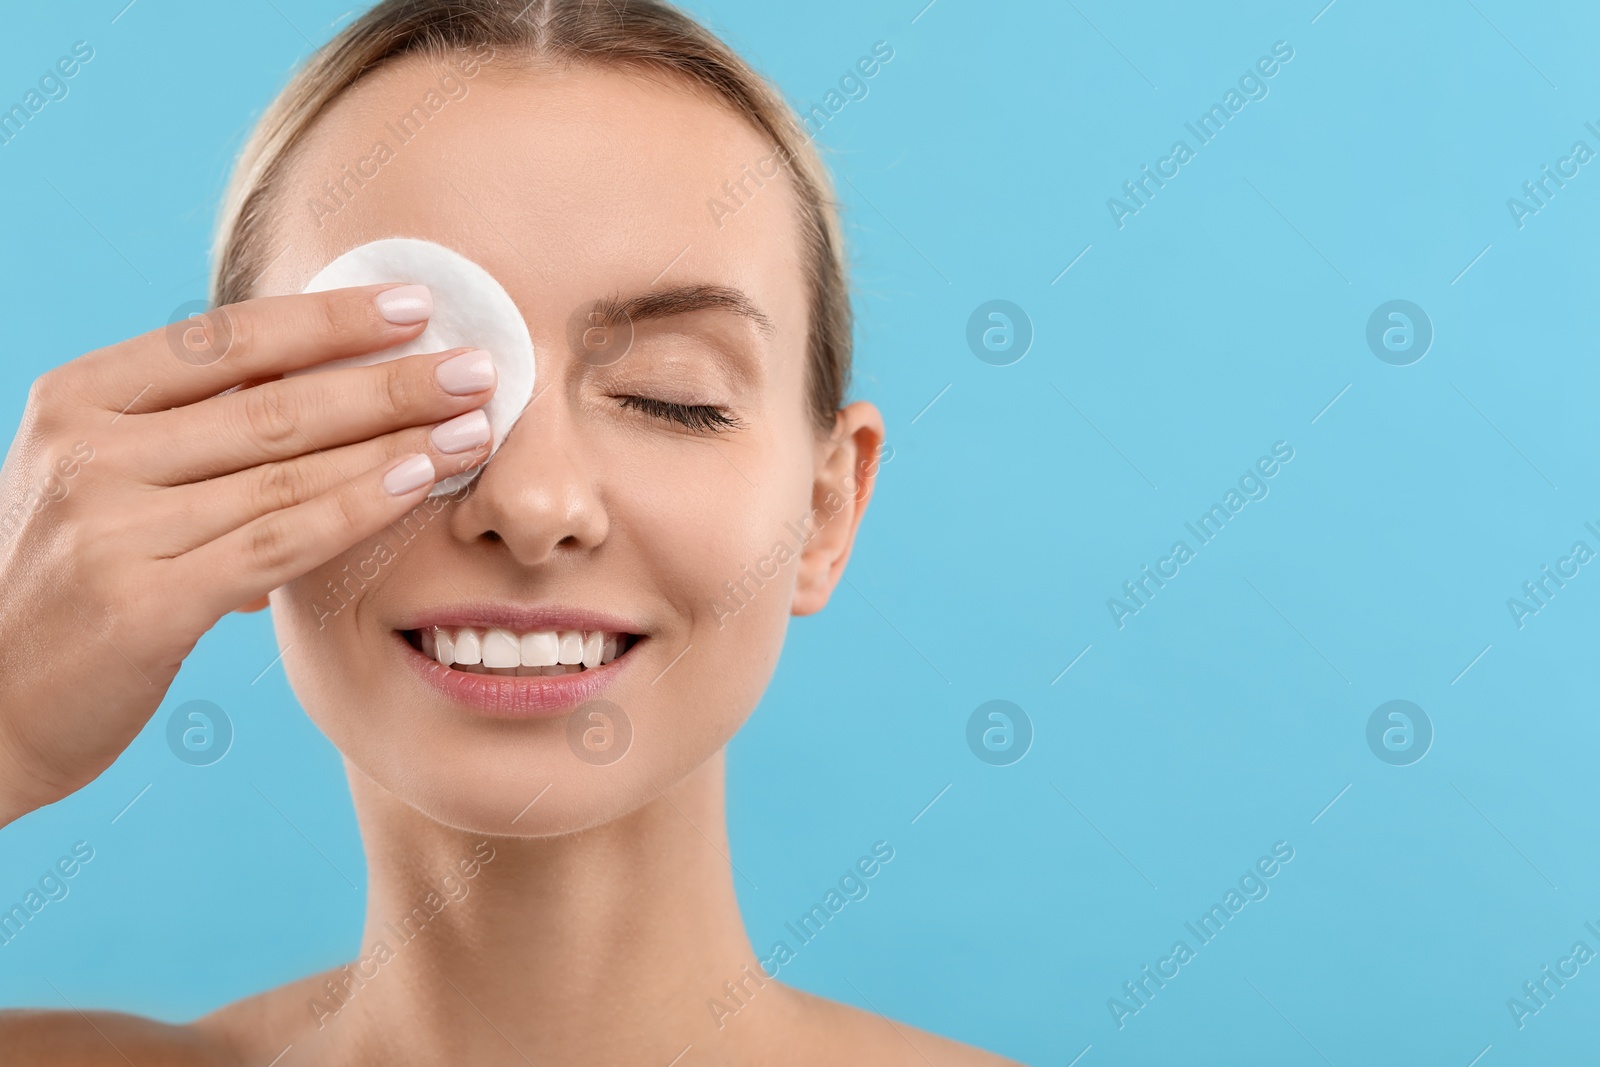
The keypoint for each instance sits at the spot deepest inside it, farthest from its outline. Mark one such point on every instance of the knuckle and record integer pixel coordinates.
(264, 417)
(48, 396)
(203, 338)
(107, 601)
(46, 388)
(395, 395)
(350, 512)
(282, 485)
(270, 545)
(73, 553)
(222, 331)
(341, 320)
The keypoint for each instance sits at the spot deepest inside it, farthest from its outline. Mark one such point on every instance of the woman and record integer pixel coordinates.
(559, 831)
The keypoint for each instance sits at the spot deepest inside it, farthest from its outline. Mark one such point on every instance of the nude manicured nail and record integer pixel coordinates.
(470, 372)
(461, 433)
(406, 305)
(409, 476)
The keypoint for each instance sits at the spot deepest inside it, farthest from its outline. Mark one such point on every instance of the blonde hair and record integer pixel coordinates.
(648, 35)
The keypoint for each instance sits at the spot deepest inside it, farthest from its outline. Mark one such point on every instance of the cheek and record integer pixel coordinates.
(722, 527)
(320, 605)
(316, 619)
(324, 604)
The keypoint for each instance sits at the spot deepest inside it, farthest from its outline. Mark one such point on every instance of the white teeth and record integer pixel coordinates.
(469, 646)
(496, 650)
(501, 649)
(540, 649)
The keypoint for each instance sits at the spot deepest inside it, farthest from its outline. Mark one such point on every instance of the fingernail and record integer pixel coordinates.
(410, 475)
(461, 433)
(406, 305)
(470, 372)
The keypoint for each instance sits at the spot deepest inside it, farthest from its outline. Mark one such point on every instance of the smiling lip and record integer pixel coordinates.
(520, 620)
(503, 697)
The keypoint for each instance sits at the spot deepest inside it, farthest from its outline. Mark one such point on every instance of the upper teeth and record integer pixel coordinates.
(493, 647)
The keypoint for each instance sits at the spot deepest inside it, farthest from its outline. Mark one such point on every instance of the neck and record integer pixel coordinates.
(599, 946)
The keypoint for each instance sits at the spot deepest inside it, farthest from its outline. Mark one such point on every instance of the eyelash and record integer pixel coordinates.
(701, 417)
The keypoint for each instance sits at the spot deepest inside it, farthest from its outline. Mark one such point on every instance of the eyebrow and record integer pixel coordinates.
(681, 300)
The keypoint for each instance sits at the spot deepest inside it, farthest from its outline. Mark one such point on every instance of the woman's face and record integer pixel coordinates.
(573, 187)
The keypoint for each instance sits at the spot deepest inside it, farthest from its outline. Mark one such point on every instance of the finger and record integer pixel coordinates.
(306, 413)
(199, 357)
(279, 547)
(195, 514)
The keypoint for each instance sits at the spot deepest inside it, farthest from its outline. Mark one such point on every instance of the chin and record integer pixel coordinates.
(518, 782)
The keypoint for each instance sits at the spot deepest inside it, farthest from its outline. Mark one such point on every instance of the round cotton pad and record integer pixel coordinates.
(470, 309)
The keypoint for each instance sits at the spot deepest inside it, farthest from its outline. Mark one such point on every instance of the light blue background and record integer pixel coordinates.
(1224, 717)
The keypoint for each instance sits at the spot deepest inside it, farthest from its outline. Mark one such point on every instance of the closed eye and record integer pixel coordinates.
(701, 417)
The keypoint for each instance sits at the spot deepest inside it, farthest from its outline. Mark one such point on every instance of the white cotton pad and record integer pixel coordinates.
(470, 309)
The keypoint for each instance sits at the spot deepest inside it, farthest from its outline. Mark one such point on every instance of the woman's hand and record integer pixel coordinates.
(141, 501)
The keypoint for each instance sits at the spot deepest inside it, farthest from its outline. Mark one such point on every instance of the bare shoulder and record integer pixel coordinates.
(845, 1034)
(92, 1038)
(230, 1035)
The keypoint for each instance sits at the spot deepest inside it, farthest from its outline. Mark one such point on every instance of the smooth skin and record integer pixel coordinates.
(190, 505)
(605, 921)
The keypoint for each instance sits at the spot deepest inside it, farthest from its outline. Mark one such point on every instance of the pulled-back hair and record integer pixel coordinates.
(645, 35)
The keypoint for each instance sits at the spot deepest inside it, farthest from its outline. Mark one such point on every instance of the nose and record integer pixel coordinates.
(538, 496)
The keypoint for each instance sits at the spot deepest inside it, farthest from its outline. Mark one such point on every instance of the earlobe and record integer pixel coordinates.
(254, 605)
(846, 471)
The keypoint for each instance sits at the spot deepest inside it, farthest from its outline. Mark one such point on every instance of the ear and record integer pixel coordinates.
(846, 471)
(255, 605)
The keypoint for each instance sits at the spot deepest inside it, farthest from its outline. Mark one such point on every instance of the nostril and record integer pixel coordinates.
(492, 537)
